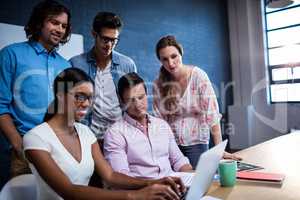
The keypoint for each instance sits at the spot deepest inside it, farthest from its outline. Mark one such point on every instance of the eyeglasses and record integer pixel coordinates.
(106, 40)
(81, 98)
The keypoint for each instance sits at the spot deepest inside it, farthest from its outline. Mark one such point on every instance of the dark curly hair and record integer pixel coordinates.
(40, 13)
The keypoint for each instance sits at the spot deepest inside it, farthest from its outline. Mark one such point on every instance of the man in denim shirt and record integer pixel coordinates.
(27, 71)
(105, 66)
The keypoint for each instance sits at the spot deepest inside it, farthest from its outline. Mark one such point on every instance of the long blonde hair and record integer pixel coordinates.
(168, 88)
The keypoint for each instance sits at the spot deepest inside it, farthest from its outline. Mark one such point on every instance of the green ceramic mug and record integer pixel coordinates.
(227, 172)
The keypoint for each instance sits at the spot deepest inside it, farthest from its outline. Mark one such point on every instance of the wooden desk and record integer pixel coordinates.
(279, 155)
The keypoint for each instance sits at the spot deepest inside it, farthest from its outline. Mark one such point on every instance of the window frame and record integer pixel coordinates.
(278, 66)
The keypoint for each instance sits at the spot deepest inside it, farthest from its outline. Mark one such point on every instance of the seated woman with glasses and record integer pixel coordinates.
(64, 153)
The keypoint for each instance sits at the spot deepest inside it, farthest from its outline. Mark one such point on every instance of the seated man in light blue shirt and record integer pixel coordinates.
(27, 71)
(105, 66)
(141, 145)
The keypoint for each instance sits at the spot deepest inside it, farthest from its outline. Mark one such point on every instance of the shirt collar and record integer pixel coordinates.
(136, 124)
(91, 56)
(39, 48)
(115, 60)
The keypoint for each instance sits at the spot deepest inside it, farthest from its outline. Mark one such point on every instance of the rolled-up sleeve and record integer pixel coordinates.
(177, 159)
(115, 151)
(6, 67)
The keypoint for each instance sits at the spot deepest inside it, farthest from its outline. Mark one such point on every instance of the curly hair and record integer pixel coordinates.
(42, 12)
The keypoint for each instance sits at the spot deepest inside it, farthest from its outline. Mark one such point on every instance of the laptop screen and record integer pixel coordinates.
(205, 171)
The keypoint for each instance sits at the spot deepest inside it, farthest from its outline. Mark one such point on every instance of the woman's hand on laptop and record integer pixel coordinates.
(231, 156)
(174, 182)
(154, 192)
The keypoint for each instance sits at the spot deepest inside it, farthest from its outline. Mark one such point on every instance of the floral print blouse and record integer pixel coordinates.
(199, 110)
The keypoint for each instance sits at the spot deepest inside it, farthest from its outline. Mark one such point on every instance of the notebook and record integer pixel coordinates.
(275, 178)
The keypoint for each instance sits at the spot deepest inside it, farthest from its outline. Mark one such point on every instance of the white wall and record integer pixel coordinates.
(253, 118)
(13, 33)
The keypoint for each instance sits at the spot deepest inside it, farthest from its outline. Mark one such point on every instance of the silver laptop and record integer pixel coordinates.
(205, 171)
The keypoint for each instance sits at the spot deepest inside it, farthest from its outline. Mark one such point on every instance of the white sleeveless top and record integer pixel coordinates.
(43, 138)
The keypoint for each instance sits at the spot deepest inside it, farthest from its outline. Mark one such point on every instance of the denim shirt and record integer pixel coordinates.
(27, 72)
(120, 65)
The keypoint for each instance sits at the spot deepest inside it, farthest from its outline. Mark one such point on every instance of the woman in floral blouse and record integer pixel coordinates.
(184, 97)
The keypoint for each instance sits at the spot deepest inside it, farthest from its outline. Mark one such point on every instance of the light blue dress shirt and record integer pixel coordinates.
(27, 72)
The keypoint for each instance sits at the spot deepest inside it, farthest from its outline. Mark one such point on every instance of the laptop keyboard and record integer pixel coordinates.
(183, 196)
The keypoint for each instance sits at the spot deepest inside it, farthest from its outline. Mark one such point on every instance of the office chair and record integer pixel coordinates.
(20, 188)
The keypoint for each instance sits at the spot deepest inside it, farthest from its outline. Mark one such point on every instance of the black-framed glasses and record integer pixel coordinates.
(81, 98)
(106, 40)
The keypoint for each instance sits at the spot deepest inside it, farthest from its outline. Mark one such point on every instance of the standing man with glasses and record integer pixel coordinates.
(105, 66)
